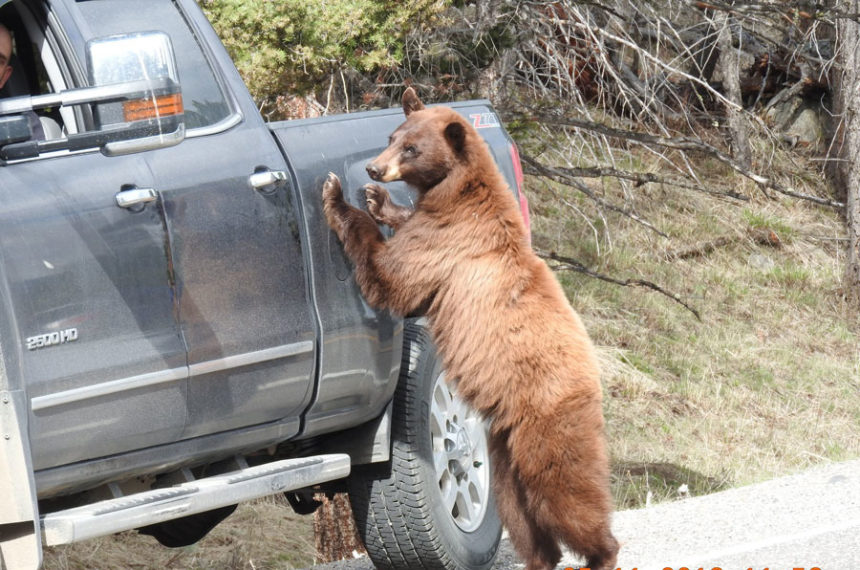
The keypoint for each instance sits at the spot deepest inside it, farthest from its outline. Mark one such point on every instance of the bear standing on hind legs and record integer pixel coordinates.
(501, 324)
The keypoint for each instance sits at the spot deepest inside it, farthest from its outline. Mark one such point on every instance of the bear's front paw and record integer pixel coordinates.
(331, 191)
(377, 199)
(333, 204)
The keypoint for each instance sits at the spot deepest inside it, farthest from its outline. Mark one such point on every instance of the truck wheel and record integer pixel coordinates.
(431, 506)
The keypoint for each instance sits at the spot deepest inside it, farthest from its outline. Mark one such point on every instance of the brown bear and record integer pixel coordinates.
(501, 323)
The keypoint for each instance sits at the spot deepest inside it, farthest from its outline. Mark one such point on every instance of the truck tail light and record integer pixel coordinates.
(161, 106)
(518, 176)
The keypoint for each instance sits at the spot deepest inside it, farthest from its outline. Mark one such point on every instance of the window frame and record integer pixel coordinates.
(80, 24)
(59, 41)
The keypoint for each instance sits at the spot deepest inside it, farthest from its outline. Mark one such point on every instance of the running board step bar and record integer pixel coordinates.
(159, 505)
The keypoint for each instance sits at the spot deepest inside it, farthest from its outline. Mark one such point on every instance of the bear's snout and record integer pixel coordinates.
(374, 171)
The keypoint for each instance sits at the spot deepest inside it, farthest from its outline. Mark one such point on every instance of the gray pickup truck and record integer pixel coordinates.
(179, 330)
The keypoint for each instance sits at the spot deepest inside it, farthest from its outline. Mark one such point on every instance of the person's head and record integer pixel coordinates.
(5, 54)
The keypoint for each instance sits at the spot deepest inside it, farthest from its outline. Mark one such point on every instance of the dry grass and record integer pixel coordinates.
(767, 383)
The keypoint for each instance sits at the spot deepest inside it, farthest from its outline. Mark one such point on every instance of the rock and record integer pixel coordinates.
(798, 121)
(762, 262)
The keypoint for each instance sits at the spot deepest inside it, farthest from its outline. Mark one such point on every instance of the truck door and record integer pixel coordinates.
(233, 232)
(85, 285)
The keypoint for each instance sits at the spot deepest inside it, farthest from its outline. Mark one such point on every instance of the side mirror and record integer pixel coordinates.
(14, 129)
(158, 115)
(135, 98)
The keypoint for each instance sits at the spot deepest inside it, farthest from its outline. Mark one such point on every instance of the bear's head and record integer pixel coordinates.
(425, 149)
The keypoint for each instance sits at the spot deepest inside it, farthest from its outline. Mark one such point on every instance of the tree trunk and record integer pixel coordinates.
(730, 66)
(848, 168)
(490, 79)
(335, 534)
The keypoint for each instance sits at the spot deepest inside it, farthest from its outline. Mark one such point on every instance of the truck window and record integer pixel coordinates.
(203, 97)
(34, 67)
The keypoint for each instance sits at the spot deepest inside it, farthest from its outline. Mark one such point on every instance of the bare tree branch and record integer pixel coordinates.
(688, 144)
(534, 167)
(730, 65)
(570, 264)
(781, 9)
(639, 178)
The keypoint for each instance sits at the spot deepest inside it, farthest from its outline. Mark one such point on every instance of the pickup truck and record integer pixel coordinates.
(179, 330)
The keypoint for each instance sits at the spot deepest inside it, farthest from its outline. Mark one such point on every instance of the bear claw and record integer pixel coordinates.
(376, 197)
(331, 187)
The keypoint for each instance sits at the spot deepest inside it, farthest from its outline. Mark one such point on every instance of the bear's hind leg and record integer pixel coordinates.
(564, 470)
(580, 517)
(608, 555)
(537, 547)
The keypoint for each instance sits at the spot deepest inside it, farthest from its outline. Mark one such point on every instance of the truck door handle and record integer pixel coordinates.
(136, 197)
(267, 180)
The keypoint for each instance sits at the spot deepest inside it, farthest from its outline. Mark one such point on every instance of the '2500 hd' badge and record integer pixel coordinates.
(51, 339)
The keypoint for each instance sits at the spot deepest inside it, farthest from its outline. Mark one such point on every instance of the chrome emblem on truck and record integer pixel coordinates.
(51, 339)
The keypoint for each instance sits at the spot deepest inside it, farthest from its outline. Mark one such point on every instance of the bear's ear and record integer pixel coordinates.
(455, 134)
(411, 102)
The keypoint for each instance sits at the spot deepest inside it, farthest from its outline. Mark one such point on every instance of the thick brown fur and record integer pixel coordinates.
(501, 323)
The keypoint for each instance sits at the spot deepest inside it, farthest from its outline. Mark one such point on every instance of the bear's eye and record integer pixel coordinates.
(410, 150)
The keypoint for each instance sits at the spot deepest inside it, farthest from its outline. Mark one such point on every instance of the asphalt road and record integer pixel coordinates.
(806, 521)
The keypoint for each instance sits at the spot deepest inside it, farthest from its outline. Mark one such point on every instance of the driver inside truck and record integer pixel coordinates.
(5, 54)
(6, 70)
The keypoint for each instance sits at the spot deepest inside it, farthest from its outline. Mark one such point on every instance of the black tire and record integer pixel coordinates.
(409, 511)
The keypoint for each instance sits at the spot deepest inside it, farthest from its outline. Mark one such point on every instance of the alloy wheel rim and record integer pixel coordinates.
(460, 456)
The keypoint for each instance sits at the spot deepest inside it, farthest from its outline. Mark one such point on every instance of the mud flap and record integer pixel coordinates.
(20, 536)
